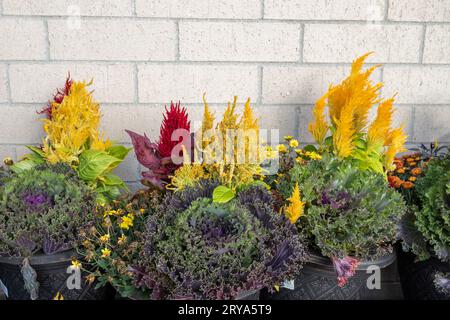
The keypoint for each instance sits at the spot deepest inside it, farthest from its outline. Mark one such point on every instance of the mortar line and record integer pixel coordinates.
(302, 42)
(8, 84)
(136, 83)
(422, 43)
(260, 84)
(47, 40)
(386, 10)
(413, 119)
(221, 63)
(263, 4)
(133, 9)
(240, 20)
(177, 44)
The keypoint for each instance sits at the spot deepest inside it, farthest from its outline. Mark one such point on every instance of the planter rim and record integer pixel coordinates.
(42, 259)
(382, 262)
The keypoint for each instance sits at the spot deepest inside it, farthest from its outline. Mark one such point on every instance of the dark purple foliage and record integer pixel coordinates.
(37, 200)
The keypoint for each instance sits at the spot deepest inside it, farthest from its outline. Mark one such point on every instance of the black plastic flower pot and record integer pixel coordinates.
(52, 276)
(318, 281)
(417, 278)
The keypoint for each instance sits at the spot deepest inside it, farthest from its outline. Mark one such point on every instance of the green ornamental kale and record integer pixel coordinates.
(432, 218)
(349, 212)
(42, 210)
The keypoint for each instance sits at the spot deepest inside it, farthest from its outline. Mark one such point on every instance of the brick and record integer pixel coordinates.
(113, 40)
(163, 83)
(437, 44)
(305, 117)
(282, 118)
(418, 84)
(139, 118)
(324, 9)
(300, 85)
(128, 169)
(3, 84)
(22, 39)
(37, 82)
(233, 41)
(419, 10)
(431, 123)
(212, 9)
(23, 125)
(66, 7)
(342, 43)
(7, 152)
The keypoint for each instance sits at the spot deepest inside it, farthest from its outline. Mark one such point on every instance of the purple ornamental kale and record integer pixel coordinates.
(36, 200)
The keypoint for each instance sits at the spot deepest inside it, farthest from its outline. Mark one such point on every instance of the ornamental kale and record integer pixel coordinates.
(426, 230)
(207, 250)
(43, 210)
(349, 212)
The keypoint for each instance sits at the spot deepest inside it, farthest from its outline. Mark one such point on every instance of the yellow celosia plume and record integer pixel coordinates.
(73, 126)
(319, 127)
(344, 134)
(296, 207)
(226, 156)
(395, 143)
(379, 129)
(349, 104)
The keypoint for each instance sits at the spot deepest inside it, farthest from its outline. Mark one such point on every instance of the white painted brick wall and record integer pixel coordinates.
(188, 82)
(63, 8)
(322, 9)
(344, 42)
(437, 44)
(207, 9)
(112, 40)
(283, 54)
(236, 41)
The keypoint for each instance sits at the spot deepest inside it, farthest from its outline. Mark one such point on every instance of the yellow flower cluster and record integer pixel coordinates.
(349, 104)
(296, 206)
(73, 127)
(229, 150)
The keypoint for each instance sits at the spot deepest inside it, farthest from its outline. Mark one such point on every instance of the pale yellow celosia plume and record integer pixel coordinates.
(73, 127)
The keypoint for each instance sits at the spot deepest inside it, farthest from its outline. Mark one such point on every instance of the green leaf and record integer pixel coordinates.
(110, 179)
(37, 151)
(222, 194)
(23, 165)
(94, 163)
(310, 148)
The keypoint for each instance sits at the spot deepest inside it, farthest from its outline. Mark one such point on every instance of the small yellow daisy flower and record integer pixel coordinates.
(293, 143)
(106, 253)
(76, 264)
(105, 238)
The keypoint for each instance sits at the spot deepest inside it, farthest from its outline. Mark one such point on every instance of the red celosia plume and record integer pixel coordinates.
(57, 98)
(175, 118)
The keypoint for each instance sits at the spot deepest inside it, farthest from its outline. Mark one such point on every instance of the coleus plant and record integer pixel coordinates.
(72, 136)
(157, 156)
